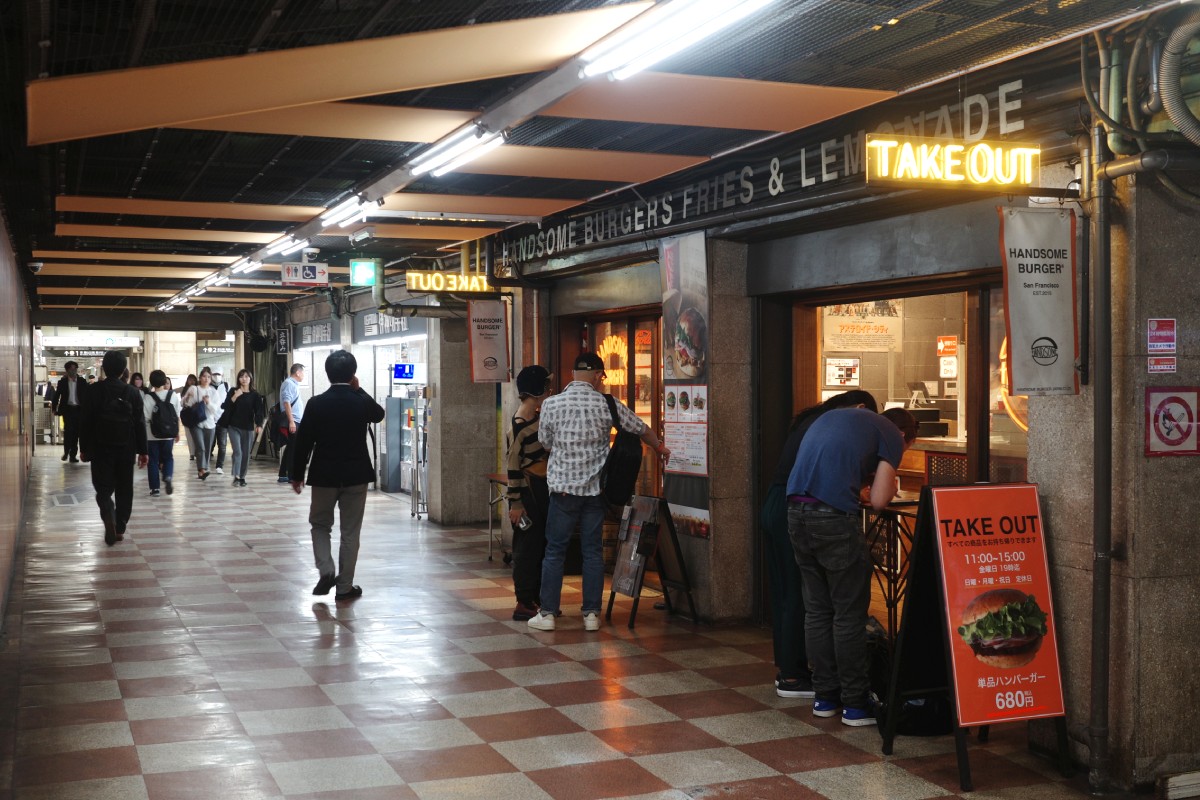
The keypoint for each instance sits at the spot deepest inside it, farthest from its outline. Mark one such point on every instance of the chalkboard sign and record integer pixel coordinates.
(647, 532)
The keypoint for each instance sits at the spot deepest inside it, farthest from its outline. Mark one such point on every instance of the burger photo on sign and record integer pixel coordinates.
(691, 342)
(1004, 628)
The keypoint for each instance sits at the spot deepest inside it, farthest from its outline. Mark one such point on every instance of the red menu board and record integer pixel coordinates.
(992, 548)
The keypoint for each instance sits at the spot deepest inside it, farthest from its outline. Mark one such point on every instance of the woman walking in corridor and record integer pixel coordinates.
(203, 433)
(243, 416)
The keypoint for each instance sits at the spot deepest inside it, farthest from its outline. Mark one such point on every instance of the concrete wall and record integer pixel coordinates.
(1156, 572)
(722, 567)
(16, 394)
(174, 352)
(462, 429)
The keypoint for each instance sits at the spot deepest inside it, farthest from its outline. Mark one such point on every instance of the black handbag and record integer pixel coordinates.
(194, 414)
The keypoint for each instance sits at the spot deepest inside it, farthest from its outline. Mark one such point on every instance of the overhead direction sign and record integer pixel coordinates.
(299, 274)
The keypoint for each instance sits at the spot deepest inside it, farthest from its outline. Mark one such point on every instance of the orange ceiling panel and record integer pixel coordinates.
(670, 99)
(124, 271)
(178, 234)
(169, 95)
(173, 208)
(104, 292)
(344, 121)
(228, 289)
(588, 165)
(444, 233)
(454, 204)
(99, 255)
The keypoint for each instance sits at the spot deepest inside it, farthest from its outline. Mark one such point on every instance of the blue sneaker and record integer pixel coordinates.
(826, 708)
(858, 716)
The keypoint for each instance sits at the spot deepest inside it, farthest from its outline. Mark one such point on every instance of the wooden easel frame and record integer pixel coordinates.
(643, 523)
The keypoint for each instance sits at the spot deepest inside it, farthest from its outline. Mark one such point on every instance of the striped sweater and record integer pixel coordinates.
(526, 456)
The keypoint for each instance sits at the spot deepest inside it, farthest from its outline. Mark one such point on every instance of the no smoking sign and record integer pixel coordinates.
(1171, 421)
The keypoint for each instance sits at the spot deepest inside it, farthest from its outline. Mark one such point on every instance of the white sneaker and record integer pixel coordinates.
(541, 622)
(591, 621)
(220, 471)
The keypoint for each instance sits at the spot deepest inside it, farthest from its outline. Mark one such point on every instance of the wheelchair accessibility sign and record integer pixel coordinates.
(1171, 420)
(298, 274)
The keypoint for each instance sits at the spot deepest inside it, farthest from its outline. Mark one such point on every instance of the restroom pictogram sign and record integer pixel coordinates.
(1171, 417)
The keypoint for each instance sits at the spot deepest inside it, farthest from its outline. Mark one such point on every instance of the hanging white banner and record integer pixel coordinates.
(488, 324)
(1037, 247)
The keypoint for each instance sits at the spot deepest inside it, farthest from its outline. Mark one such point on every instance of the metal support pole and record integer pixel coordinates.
(1102, 469)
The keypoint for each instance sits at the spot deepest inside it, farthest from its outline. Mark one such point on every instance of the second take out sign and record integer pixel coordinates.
(996, 585)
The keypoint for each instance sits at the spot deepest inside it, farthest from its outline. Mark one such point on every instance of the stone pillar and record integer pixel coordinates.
(722, 567)
(462, 429)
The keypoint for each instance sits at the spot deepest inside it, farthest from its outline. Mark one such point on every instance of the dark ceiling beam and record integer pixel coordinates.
(145, 19)
(106, 319)
(264, 28)
(369, 26)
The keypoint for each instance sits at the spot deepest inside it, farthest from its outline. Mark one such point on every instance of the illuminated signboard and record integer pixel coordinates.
(363, 271)
(447, 282)
(403, 372)
(941, 162)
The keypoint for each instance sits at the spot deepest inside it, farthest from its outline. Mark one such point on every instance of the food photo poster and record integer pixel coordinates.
(683, 266)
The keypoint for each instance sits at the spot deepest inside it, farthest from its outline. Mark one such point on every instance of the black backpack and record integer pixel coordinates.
(619, 477)
(114, 421)
(164, 421)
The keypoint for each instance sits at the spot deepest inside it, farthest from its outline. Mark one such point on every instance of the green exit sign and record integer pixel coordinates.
(364, 270)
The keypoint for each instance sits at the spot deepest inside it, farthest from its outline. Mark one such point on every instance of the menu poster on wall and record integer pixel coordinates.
(683, 264)
(842, 371)
(1003, 651)
(1037, 246)
(871, 327)
(487, 323)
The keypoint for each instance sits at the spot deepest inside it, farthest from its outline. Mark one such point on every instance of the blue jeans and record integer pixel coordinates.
(566, 512)
(162, 459)
(835, 577)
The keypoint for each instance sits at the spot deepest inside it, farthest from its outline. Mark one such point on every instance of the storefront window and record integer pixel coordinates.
(629, 348)
(908, 353)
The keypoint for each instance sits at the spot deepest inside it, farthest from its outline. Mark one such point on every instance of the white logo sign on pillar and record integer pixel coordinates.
(488, 324)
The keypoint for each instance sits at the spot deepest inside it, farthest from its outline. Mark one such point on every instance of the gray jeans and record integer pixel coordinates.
(835, 573)
(350, 501)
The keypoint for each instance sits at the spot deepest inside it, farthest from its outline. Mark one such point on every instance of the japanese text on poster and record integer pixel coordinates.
(872, 327)
(996, 584)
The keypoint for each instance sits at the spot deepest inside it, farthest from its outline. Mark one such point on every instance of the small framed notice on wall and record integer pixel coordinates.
(842, 371)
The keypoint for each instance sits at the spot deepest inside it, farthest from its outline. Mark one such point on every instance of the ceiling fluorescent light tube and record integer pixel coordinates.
(221, 281)
(199, 292)
(669, 36)
(300, 245)
(238, 266)
(279, 245)
(251, 267)
(178, 301)
(485, 146)
(345, 211)
(660, 15)
(345, 205)
(450, 141)
(360, 216)
(449, 154)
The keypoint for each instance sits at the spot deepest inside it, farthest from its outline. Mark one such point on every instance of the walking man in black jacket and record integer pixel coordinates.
(68, 400)
(112, 431)
(334, 433)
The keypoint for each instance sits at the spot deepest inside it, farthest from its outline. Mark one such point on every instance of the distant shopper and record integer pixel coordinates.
(161, 409)
(111, 435)
(793, 677)
(843, 450)
(334, 434)
(221, 433)
(202, 434)
(243, 419)
(188, 383)
(137, 381)
(575, 427)
(292, 406)
(68, 403)
(528, 497)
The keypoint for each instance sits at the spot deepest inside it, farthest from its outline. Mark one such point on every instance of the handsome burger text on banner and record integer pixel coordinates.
(1038, 250)
(488, 323)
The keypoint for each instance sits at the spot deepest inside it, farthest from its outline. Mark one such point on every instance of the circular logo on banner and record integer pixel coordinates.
(490, 363)
(1173, 421)
(1044, 351)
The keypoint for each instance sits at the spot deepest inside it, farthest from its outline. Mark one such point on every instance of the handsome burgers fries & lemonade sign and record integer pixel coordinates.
(995, 578)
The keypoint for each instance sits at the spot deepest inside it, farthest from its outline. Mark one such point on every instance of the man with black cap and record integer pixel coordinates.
(575, 429)
(111, 433)
(528, 498)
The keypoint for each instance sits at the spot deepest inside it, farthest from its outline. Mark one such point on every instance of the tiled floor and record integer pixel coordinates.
(191, 661)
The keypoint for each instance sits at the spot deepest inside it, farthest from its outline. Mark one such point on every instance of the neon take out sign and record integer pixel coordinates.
(457, 282)
(947, 163)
